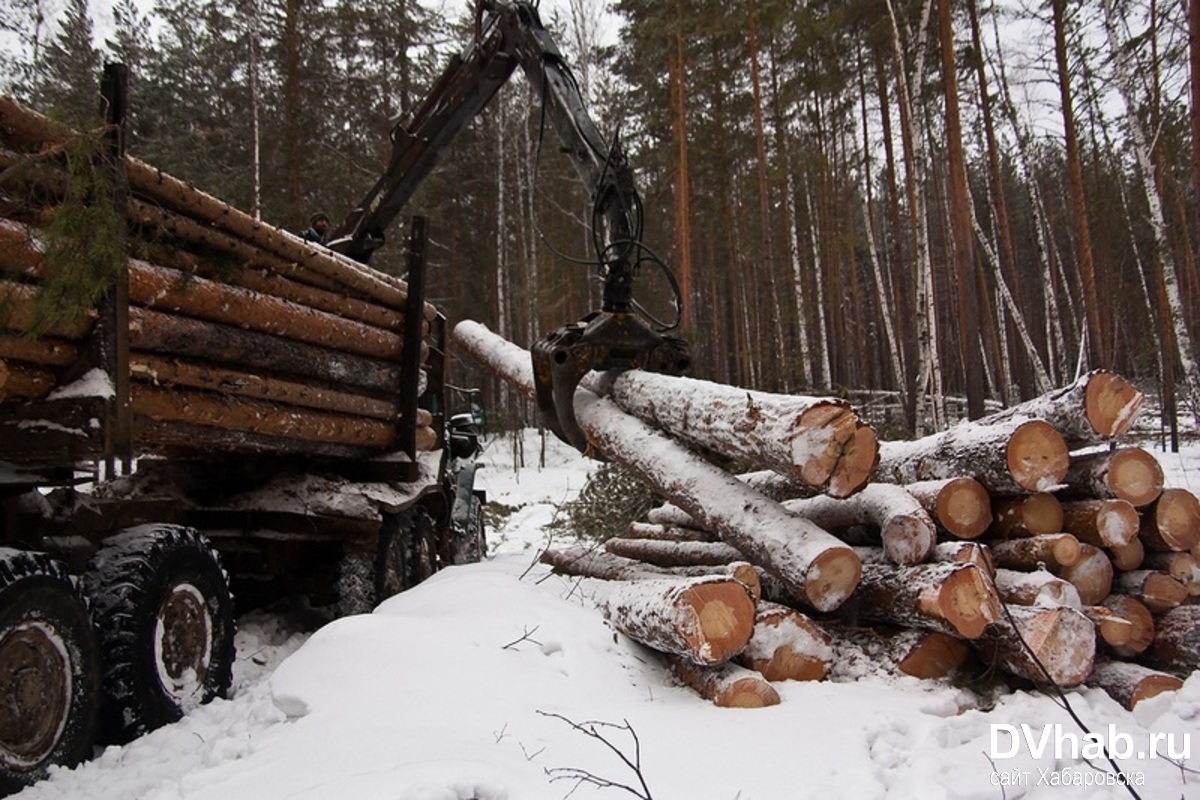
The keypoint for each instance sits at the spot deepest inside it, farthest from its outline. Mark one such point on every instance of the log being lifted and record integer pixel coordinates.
(955, 598)
(817, 442)
(1097, 407)
(786, 645)
(1063, 639)
(1012, 457)
(706, 620)
(726, 685)
(1130, 474)
(818, 570)
(1129, 683)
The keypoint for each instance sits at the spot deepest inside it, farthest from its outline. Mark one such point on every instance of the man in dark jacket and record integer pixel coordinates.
(318, 228)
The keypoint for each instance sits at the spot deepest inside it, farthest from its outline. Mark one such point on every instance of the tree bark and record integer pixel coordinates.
(592, 563)
(1130, 474)
(952, 598)
(1063, 639)
(786, 645)
(905, 528)
(1156, 590)
(1101, 523)
(966, 552)
(1095, 408)
(1176, 645)
(1130, 684)
(961, 506)
(1172, 522)
(726, 685)
(1139, 617)
(1036, 588)
(1026, 515)
(1052, 549)
(668, 533)
(674, 554)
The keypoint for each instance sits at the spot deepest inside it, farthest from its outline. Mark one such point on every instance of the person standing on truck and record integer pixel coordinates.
(318, 228)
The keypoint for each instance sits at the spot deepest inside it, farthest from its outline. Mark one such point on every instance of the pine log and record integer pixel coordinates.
(952, 598)
(961, 506)
(726, 685)
(1176, 645)
(671, 515)
(1063, 639)
(817, 442)
(167, 334)
(184, 440)
(174, 372)
(1172, 522)
(1112, 629)
(706, 620)
(272, 419)
(1101, 523)
(27, 381)
(968, 552)
(668, 533)
(775, 486)
(44, 350)
(1140, 620)
(674, 554)
(1012, 458)
(928, 655)
(1027, 515)
(1157, 591)
(592, 563)
(1130, 474)
(19, 313)
(817, 568)
(1092, 574)
(1130, 684)
(1097, 407)
(905, 528)
(1039, 588)
(786, 645)
(1050, 549)
(1183, 567)
(1128, 556)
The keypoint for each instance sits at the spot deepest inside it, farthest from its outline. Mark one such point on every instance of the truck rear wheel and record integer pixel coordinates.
(48, 688)
(164, 618)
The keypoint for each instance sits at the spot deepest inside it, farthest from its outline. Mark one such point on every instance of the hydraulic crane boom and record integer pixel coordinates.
(509, 34)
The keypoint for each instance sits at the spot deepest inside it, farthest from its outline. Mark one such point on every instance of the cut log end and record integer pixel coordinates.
(1130, 684)
(832, 578)
(1140, 620)
(856, 464)
(1135, 475)
(936, 655)
(1037, 456)
(965, 600)
(726, 685)
(964, 508)
(1175, 522)
(908, 539)
(1111, 404)
(724, 616)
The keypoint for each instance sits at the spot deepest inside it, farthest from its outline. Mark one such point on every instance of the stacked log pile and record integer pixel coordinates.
(237, 335)
(1033, 542)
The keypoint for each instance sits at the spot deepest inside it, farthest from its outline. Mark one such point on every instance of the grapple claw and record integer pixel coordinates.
(601, 341)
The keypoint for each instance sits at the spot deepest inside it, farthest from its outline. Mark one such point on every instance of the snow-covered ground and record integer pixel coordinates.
(500, 681)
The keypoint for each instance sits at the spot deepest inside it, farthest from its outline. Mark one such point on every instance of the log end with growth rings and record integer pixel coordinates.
(832, 577)
(832, 448)
(1037, 456)
(964, 508)
(1135, 475)
(966, 600)
(723, 619)
(936, 656)
(1176, 520)
(1111, 404)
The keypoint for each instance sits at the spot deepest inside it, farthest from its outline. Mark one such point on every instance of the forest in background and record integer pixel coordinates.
(923, 205)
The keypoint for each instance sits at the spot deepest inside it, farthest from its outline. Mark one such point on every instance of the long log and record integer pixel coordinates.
(1097, 407)
(817, 569)
(1129, 683)
(1101, 523)
(726, 685)
(1130, 474)
(1038, 588)
(668, 533)
(1141, 622)
(19, 313)
(592, 563)
(168, 334)
(174, 372)
(186, 440)
(818, 442)
(1092, 574)
(920, 654)
(786, 645)
(1176, 645)
(674, 554)
(44, 350)
(961, 506)
(1172, 522)
(705, 620)
(1026, 515)
(1157, 591)
(1063, 639)
(948, 597)
(1013, 457)
(27, 381)
(905, 527)
(1052, 549)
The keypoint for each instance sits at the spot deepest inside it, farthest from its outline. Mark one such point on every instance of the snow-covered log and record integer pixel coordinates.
(921, 654)
(1129, 683)
(590, 562)
(786, 645)
(1097, 407)
(664, 553)
(1176, 645)
(952, 598)
(1142, 627)
(1101, 523)
(1026, 515)
(1183, 567)
(1158, 591)
(1130, 474)
(905, 528)
(668, 533)
(706, 620)
(1062, 639)
(968, 552)
(1012, 457)
(1092, 574)
(817, 568)
(726, 685)
(1038, 588)
(960, 506)
(1172, 522)
(818, 442)
(1051, 549)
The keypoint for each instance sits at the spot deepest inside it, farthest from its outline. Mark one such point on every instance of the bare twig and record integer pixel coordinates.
(525, 637)
(593, 728)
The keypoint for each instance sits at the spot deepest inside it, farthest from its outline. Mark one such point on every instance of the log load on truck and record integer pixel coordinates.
(197, 406)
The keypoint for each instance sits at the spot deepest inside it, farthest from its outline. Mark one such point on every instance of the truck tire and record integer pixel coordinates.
(407, 552)
(49, 694)
(165, 621)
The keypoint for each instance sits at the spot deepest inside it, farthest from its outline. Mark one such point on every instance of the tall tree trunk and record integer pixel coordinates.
(676, 68)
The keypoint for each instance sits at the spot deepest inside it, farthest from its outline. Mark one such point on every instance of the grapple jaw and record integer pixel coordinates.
(601, 341)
